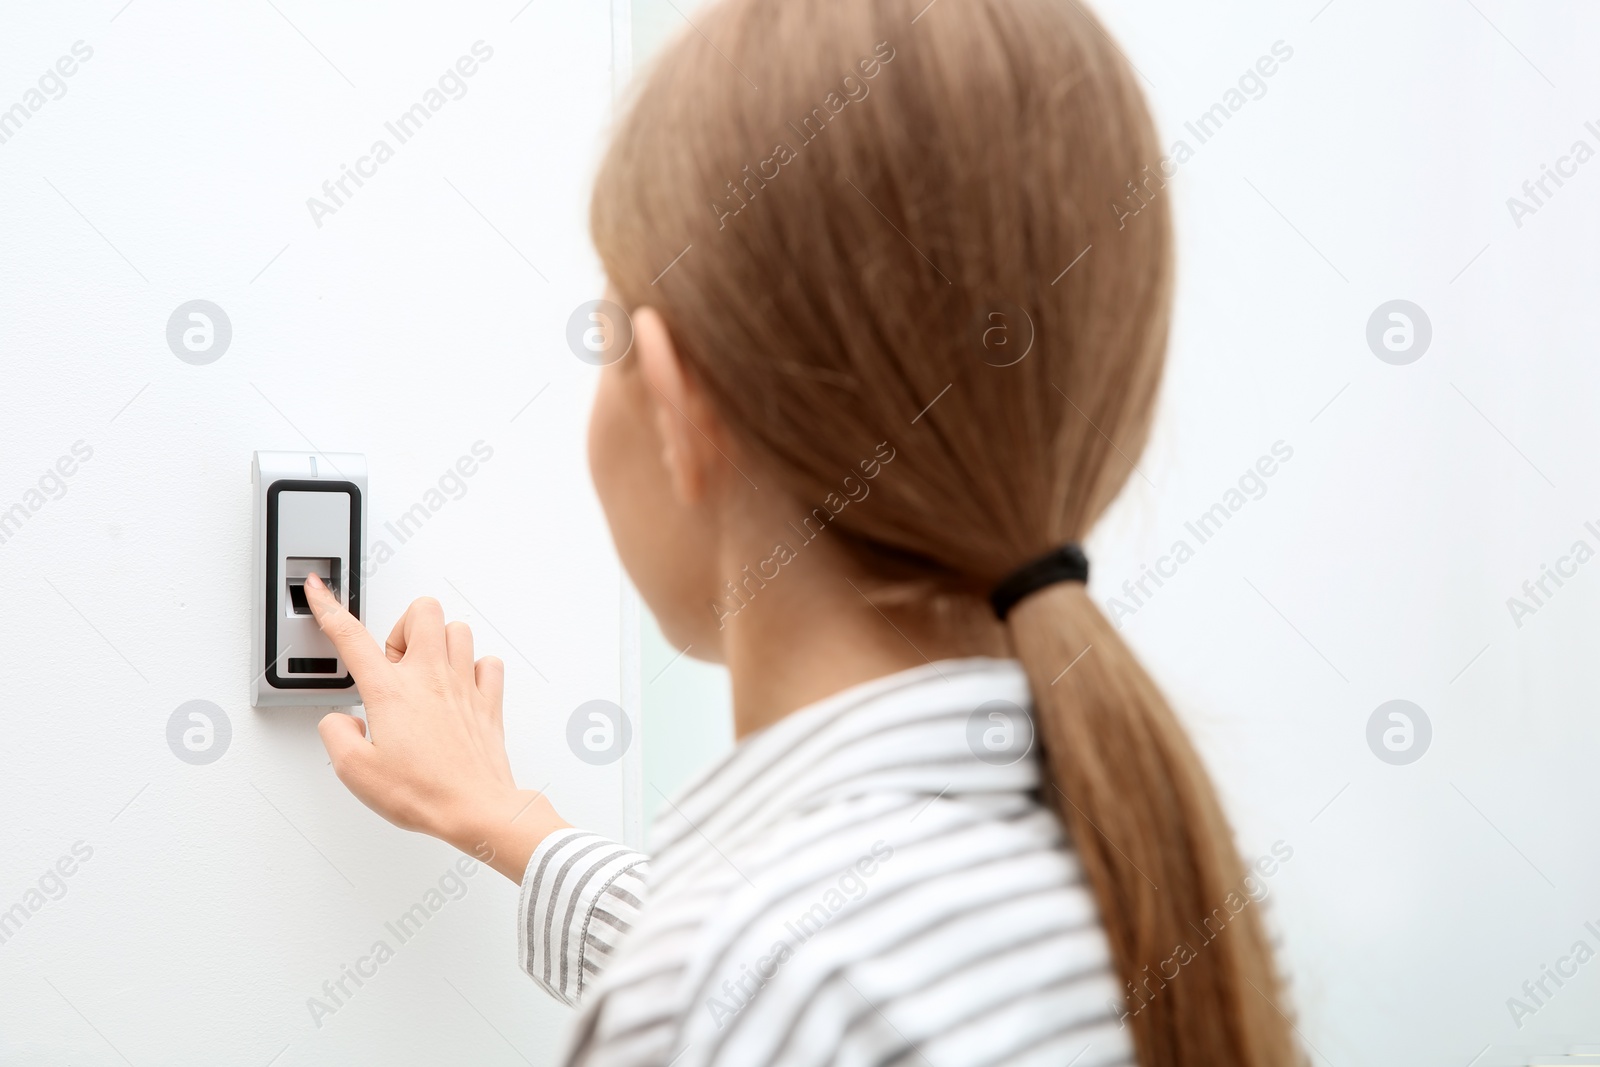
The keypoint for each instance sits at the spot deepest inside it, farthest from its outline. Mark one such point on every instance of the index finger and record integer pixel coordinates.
(361, 653)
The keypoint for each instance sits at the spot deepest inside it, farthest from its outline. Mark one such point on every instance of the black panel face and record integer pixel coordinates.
(274, 580)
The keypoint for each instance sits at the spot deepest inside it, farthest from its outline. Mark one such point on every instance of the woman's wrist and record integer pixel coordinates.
(503, 832)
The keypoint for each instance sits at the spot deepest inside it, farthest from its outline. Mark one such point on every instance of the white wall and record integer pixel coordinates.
(413, 323)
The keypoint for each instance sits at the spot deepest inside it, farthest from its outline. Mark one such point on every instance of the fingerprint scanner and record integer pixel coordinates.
(295, 570)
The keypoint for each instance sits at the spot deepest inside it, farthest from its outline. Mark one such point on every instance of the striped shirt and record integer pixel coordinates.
(852, 885)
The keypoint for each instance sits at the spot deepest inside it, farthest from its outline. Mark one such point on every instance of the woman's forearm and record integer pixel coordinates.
(504, 833)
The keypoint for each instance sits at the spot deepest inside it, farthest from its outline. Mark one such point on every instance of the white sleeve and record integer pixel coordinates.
(581, 894)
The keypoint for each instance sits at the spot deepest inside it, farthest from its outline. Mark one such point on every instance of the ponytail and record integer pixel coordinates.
(1200, 987)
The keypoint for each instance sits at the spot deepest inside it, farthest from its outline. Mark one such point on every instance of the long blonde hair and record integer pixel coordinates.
(830, 202)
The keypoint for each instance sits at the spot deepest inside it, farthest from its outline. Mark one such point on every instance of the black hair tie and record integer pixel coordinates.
(1065, 564)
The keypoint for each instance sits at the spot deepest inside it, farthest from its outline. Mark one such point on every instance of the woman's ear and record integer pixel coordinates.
(685, 419)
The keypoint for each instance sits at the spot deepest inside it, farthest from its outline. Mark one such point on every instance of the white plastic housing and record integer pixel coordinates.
(310, 516)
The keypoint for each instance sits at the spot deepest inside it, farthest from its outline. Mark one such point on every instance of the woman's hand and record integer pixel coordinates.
(435, 760)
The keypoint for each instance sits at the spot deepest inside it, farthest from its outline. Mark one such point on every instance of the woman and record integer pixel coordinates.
(893, 348)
